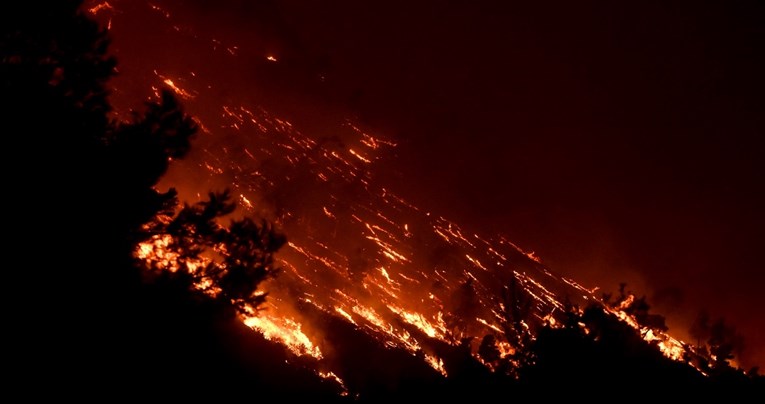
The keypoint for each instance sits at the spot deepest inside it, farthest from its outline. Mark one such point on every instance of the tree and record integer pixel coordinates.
(97, 173)
(638, 308)
(700, 328)
(517, 306)
(230, 262)
(718, 340)
(488, 350)
(463, 307)
(84, 192)
(724, 342)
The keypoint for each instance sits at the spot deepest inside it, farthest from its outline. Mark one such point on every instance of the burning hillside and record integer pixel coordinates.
(359, 257)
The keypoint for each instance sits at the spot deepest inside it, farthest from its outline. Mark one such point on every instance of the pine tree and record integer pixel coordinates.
(84, 197)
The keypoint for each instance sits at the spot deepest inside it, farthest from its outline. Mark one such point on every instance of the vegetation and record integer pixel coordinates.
(85, 198)
(94, 319)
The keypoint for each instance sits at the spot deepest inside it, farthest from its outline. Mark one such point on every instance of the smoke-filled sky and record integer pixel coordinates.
(621, 141)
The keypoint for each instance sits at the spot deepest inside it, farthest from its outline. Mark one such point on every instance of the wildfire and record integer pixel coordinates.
(181, 92)
(357, 250)
(285, 330)
(157, 254)
(437, 330)
(436, 363)
(332, 376)
(671, 347)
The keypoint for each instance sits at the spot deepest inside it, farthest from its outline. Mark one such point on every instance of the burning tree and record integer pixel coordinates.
(717, 340)
(227, 263)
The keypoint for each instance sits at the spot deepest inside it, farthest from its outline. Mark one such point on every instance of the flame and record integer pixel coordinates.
(671, 347)
(157, 254)
(285, 330)
(437, 330)
(181, 92)
(395, 290)
(357, 249)
(332, 376)
(436, 363)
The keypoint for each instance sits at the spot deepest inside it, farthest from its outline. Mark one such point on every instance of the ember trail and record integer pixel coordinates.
(358, 252)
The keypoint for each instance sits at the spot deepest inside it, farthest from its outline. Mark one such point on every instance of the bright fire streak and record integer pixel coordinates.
(390, 281)
(383, 288)
(402, 339)
(669, 346)
(578, 286)
(371, 316)
(486, 323)
(271, 58)
(359, 156)
(103, 6)
(419, 321)
(444, 236)
(549, 295)
(531, 255)
(286, 331)
(328, 263)
(388, 251)
(345, 314)
(436, 363)
(183, 93)
(476, 262)
(338, 380)
(246, 201)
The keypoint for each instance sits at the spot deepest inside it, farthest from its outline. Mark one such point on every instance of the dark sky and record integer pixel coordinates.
(621, 141)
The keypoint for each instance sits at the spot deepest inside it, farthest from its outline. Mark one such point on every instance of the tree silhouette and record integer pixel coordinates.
(234, 259)
(463, 307)
(723, 343)
(517, 306)
(700, 328)
(488, 350)
(638, 308)
(80, 195)
(85, 197)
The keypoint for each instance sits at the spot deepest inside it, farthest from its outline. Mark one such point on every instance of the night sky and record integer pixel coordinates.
(619, 141)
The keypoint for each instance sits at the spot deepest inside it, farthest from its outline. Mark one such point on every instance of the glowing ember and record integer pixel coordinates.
(99, 7)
